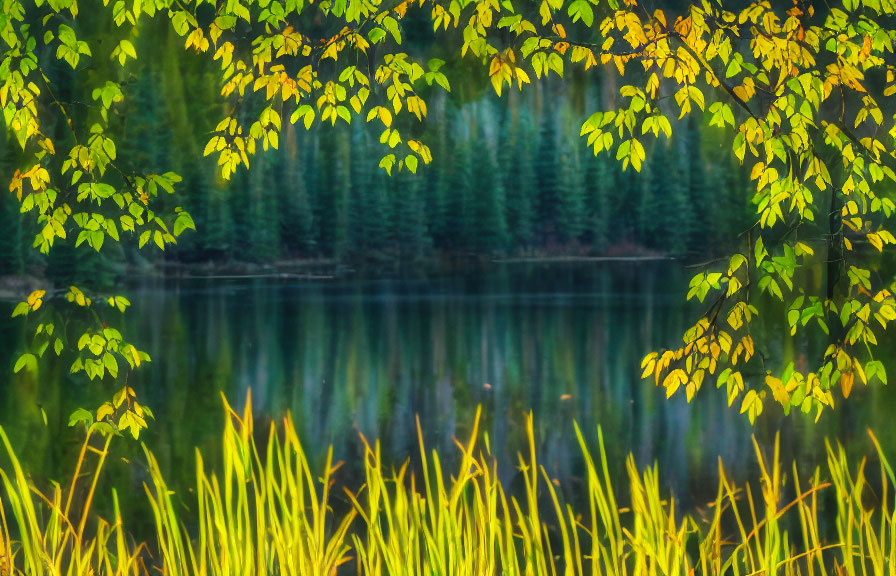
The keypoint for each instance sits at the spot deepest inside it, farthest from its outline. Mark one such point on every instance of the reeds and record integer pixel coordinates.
(261, 516)
(266, 512)
(53, 534)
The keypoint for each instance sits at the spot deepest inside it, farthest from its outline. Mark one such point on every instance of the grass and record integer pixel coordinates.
(52, 532)
(266, 512)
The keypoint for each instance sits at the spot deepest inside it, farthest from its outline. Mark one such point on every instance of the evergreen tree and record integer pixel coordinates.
(241, 201)
(361, 180)
(368, 226)
(457, 219)
(671, 193)
(192, 248)
(11, 261)
(265, 211)
(342, 183)
(217, 229)
(333, 187)
(599, 185)
(437, 187)
(515, 162)
(410, 232)
(569, 195)
(704, 205)
(296, 219)
(490, 224)
(649, 216)
(317, 179)
(623, 204)
(378, 217)
(546, 177)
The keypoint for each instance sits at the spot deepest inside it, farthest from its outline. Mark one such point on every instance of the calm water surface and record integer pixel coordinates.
(350, 356)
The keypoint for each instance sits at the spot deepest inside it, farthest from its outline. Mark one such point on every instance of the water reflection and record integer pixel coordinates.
(367, 356)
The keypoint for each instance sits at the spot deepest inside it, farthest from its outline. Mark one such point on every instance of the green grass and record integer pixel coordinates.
(266, 512)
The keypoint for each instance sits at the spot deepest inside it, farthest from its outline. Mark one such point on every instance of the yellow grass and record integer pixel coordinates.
(265, 512)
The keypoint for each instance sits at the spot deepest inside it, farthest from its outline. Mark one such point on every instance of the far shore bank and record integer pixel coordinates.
(17, 287)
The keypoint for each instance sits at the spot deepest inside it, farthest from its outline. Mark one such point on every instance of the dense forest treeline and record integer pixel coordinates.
(509, 177)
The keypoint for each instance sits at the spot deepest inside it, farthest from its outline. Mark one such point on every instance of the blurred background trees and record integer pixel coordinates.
(508, 178)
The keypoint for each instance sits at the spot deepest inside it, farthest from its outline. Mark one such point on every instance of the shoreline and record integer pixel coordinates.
(15, 287)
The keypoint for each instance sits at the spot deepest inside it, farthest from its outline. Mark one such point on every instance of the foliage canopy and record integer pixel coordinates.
(804, 96)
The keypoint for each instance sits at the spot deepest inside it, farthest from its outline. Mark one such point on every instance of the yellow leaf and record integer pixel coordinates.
(385, 116)
(846, 381)
(673, 381)
(497, 83)
(778, 391)
(134, 354)
(104, 411)
(648, 365)
(495, 66)
(35, 299)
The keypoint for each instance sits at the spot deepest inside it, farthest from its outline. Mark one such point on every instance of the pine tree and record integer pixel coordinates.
(11, 255)
(361, 179)
(241, 203)
(515, 162)
(321, 182)
(410, 232)
(569, 195)
(703, 204)
(649, 215)
(368, 226)
(11, 261)
(192, 247)
(490, 224)
(437, 188)
(217, 229)
(457, 218)
(377, 214)
(546, 178)
(296, 218)
(265, 210)
(332, 189)
(599, 185)
(342, 184)
(671, 193)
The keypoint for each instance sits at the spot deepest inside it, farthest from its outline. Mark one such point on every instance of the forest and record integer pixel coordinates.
(510, 177)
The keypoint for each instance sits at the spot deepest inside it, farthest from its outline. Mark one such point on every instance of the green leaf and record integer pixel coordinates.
(391, 25)
(225, 21)
(581, 10)
(111, 364)
(67, 35)
(376, 34)
(27, 361)
(81, 416)
(387, 162)
(21, 309)
(128, 48)
(109, 148)
(96, 344)
(183, 222)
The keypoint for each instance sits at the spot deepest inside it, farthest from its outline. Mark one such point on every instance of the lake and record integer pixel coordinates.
(350, 356)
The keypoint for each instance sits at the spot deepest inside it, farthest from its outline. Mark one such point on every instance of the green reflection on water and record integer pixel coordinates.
(366, 356)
